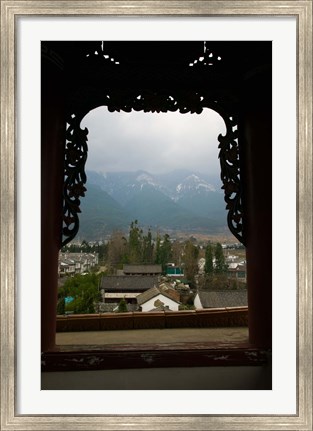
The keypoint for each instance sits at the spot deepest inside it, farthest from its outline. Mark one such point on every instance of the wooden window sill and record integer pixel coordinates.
(128, 356)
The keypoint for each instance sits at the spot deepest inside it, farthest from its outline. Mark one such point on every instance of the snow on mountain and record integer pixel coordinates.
(146, 178)
(122, 185)
(140, 180)
(180, 200)
(193, 183)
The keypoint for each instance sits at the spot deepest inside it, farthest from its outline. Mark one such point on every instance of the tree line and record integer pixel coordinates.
(139, 247)
(215, 269)
(142, 248)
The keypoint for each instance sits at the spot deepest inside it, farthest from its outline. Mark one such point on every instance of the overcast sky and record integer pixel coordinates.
(156, 143)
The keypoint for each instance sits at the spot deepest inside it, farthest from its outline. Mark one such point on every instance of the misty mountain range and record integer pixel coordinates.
(180, 200)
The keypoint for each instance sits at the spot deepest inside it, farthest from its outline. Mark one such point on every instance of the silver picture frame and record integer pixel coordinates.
(10, 10)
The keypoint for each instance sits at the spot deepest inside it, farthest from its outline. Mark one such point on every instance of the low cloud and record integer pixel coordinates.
(156, 143)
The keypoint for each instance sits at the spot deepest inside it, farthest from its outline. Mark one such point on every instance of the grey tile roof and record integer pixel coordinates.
(168, 291)
(145, 296)
(132, 307)
(78, 257)
(151, 293)
(118, 283)
(142, 269)
(110, 307)
(67, 261)
(223, 298)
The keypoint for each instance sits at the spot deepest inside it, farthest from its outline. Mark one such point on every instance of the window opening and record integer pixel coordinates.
(169, 158)
(128, 159)
(76, 156)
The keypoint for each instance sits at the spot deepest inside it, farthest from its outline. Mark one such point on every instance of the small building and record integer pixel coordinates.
(168, 290)
(237, 271)
(116, 297)
(66, 267)
(76, 263)
(150, 270)
(156, 300)
(174, 271)
(220, 299)
(116, 287)
(127, 284)
(201, 265)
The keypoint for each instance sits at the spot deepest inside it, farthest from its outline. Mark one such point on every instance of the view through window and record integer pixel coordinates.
(153, 235)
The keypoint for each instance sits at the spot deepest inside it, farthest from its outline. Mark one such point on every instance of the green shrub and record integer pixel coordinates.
(122, 306)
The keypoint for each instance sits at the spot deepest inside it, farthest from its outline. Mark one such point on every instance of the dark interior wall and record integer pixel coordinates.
(52, 155)
(256, 135)
(195, 378)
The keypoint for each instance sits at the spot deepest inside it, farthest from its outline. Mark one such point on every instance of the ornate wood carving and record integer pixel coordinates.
(230, 176)
(75, 178)
(73, 358)
(149, 100)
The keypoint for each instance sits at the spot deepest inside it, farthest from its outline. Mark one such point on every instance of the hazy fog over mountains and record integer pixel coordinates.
(149, 167)
(179, 200)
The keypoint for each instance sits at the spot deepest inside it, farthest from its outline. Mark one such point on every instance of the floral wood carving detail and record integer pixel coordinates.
(230, 176)
(209, 58)
(74, 177)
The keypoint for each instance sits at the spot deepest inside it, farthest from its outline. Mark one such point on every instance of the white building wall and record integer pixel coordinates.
(197, 302)
(149, 305)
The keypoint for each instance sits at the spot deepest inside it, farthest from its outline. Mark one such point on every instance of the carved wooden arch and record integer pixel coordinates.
(76, 148)
(89, 97)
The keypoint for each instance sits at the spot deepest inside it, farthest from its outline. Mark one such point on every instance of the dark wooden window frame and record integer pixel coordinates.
(54, 111)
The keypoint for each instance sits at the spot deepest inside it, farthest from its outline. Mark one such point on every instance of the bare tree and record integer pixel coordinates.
(117, 249)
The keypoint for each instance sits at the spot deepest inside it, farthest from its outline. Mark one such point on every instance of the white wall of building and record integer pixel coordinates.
(197, 302)
(150, 305)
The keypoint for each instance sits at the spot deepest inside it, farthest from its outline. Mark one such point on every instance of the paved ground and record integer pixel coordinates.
(144, 336)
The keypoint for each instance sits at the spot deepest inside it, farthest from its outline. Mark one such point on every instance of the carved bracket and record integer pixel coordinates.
(74, 177)
(230, 176)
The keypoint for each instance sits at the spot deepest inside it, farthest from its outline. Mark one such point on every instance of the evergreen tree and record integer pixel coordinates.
(220, 264)
(191, 253)
(163, 251)
(85, 246)
(135, 243)
(102, 250)
(157, 258)
(147, 248)
(166, 251)
(208, 267)
(122, 306)
(84, 289)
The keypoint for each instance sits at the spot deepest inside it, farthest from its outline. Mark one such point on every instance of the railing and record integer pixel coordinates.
(154, 355)
(215, 317)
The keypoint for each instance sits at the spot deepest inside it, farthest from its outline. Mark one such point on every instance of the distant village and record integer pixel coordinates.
(191, 276)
